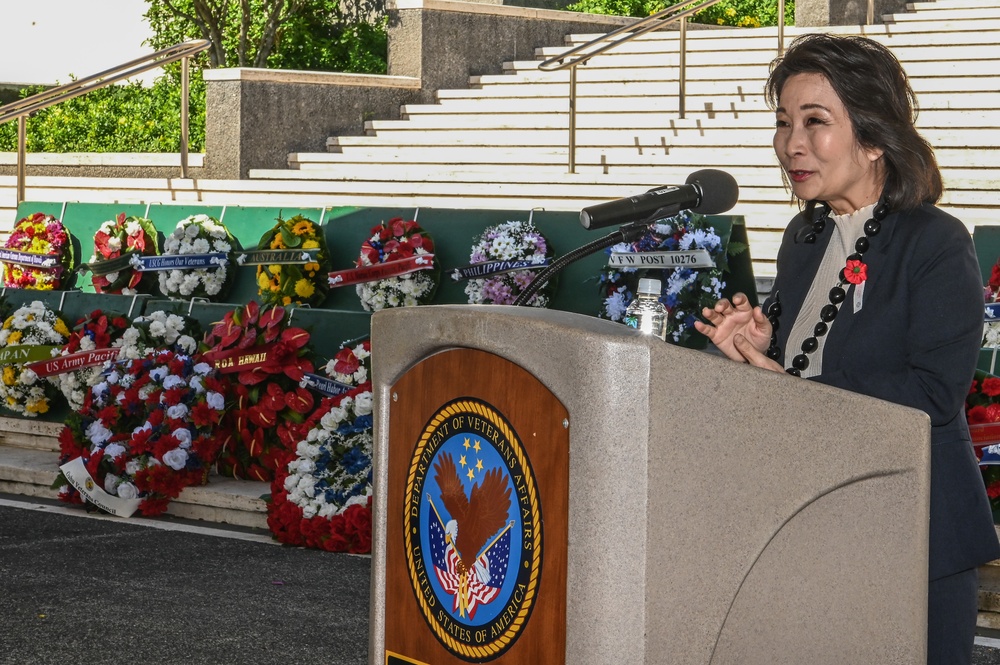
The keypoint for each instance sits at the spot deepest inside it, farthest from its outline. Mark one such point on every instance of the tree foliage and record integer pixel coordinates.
(741, 13)
(119, 118)
(315, 35)
(325, 35)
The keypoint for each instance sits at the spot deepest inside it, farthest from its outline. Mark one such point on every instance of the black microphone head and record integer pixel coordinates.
(719, 191)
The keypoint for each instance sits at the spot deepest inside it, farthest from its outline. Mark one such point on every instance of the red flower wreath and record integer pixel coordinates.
(268, 404)
(116, 237)
(152, 428)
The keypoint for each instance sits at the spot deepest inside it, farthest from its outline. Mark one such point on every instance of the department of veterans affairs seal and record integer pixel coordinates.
(472, 530)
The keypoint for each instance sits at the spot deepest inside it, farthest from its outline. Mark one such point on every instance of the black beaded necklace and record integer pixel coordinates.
(837, 294)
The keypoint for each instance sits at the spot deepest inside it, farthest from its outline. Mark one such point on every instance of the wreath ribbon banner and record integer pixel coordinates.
(326, 386)
(495, 268)
(13, 355)
(101, 268)
(696, 258)
(179, 261)
(263, 257)
(382, 271)
(240, 360)
(41, 261)
(72, 361)
(76, 473)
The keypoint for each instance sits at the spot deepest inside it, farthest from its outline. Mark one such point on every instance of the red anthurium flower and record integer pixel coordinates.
(273, 398)
(295, 338)
(300, 401)
(272, 317)
(855, 272)
(253, 312)
(263, 416)
(345, 362)
(254, 376)
(248, 339)
(101, 243)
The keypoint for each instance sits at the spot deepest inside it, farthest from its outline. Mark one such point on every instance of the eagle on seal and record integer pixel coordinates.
(474, 518)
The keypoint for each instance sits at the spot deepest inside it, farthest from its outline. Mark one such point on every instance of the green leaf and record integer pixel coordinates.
(290, 239)
(735, 248)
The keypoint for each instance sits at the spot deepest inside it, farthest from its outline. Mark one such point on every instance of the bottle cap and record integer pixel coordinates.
(649, 285)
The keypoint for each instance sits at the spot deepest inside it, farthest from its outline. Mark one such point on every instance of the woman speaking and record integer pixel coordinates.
(877, 291)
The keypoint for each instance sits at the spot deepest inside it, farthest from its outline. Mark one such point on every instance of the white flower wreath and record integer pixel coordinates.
(198, 234)
(158, 330)
(332, 467)
(510, 241)
(34, 324)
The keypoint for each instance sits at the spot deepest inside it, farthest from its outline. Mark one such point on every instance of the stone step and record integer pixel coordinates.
(661, 57)
(950, 4)
(949, 14)
(720, 47)
(751, 117)
(952, 83)
(713, 105)
(600, 159)
(716, 75)
(982, 138)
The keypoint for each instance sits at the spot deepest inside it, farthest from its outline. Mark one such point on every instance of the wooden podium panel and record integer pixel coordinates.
(477, 519)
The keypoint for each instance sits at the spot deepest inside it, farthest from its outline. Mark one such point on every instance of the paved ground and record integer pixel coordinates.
(80, 589)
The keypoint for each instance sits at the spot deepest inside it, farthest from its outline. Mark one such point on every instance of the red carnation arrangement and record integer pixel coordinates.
(150, 429)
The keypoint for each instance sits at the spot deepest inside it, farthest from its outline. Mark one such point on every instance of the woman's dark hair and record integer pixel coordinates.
(874, 89)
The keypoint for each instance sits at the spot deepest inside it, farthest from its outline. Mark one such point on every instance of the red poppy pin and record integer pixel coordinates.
(855, 272)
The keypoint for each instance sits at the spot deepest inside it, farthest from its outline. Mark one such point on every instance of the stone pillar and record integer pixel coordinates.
(809, 13)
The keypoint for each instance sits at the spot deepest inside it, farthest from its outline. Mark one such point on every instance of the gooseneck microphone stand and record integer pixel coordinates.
(626, 233)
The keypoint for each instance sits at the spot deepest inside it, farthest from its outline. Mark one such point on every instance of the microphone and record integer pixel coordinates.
(709, 192)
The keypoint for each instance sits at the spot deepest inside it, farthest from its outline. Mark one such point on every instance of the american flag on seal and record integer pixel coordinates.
(487, 575)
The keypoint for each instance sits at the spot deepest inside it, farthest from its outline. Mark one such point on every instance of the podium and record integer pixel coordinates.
(552, 487)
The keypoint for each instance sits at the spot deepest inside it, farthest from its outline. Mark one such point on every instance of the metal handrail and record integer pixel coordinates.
(579, 55)
(23, 108)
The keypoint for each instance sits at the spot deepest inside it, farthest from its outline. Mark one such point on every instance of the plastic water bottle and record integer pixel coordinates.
(646, 312)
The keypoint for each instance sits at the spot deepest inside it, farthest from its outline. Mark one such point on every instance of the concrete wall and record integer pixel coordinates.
(256, 117)
(812, 13)
(443, 43)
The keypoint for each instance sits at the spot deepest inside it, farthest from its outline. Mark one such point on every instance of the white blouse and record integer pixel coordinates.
(846, 231)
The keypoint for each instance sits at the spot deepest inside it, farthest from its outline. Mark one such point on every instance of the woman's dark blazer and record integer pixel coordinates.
(914, 342)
